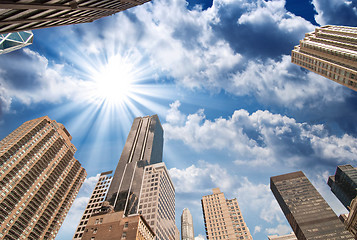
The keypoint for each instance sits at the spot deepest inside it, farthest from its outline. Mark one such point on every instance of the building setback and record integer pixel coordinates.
(39, 179)
(307, 212)
(344, 184)
(330, 51)
(21, 15)
(290, 236)
(187, 225)
(157, 201)
(95, 202)
(223, 218)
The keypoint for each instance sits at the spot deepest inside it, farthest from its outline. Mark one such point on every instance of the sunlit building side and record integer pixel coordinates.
(95, 202)
(187, 232)
(223, 218)
(330, 51)
(290, 236)
(13, 41)
(24, 15)
(39, 179)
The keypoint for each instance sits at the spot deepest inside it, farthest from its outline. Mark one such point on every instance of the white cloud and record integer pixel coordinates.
(201, 178)
(257, 229)
(335, 12)
(262, 138)
(281, 229)
(200, 237)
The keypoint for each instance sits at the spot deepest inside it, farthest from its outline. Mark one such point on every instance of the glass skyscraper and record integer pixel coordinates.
(307, 212)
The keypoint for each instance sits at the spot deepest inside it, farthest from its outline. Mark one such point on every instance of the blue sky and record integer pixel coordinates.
(234, 109)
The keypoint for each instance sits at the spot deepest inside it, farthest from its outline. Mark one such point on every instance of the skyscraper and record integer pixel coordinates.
(95, 202)
(140, 186)
(307, 212)
(39, 179)
(24, 15)
(223, 218)
(330, 51)
(143, 147)
(12, 41)
(187, 225)
(344, 184)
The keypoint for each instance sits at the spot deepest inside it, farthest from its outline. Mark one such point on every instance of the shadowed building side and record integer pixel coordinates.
(307, 212)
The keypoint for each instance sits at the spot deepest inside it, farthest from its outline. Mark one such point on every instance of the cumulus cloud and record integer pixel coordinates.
(201, 178)
(262, 138)
(281, 229)
(336, 12)
(257, 229)
(200, 237)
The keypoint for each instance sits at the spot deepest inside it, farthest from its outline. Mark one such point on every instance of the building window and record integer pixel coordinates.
(123, 236)
(126, 225)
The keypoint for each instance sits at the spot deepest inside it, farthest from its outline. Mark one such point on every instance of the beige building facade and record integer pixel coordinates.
(223, 218)
(113, 226)
(290, 236)
(95, 202)
(330, 51)
(157, 201)
(39, 179)
(351, 220)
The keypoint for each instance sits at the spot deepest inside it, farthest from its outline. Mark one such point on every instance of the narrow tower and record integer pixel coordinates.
(187, 225)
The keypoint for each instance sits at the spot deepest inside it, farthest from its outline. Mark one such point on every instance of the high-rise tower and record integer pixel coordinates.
(307, 212)
(344, 184)
(187, 225)
(330, 51)
(39, 179)
(24, 15)
(143, 146)
(223, 218)
(95, 202)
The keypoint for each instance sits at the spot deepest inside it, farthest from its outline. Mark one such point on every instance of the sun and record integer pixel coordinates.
(114, 81)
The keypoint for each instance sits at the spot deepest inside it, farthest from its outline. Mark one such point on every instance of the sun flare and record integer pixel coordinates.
(114, 82)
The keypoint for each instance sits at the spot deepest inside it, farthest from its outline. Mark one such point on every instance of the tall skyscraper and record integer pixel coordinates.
(39, 179)
(223, 218)
(24, 15)
(143, 147)
(187, 225)
(157, 201)
(12, 41)
(344, 184)
(307, 212)
(330, 51)
(140, 186)
(95, 202)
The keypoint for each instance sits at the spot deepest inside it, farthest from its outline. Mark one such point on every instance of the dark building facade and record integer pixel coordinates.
(21, 15)
(39, 179)
(307, 212)
(143, 146)
(344, 184)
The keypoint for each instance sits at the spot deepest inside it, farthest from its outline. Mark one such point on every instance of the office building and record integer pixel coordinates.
(187, 225)
(114, 226)
(12, 41)
(95, 202)
(307, 212)
(344, 184)
(141, 184)
(143, 147)
(39, 179)
(223, 218)
(157, 201)
(24, 15)
(290, 236)
(330, 51)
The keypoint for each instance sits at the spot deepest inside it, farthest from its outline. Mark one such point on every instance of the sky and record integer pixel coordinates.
(234, 109)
